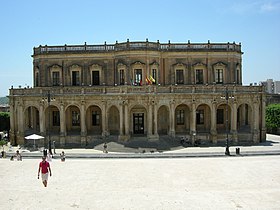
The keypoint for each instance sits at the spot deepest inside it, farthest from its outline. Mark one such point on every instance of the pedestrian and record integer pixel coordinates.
(45, 168)
(49, 157)
(62, 156)
(105, 148)
(18, 156)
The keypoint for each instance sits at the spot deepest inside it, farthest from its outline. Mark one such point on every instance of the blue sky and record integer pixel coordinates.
(30, 23)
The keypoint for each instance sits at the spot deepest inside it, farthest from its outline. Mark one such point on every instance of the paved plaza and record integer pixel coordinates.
(236, 182)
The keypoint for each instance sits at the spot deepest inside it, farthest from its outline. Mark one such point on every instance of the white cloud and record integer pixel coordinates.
(256, 6)
(270, 6)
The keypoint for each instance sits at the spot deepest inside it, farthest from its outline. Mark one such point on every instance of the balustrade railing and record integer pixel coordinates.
(138, 46)
(151, 89)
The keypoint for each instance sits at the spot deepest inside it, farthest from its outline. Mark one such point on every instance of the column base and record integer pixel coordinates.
(171, 133)
(83, 141)
(62, 140)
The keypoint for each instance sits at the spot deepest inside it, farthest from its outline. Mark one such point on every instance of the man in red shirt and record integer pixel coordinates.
(44, 167)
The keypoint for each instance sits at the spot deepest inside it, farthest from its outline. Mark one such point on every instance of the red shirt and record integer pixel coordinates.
(44, 166)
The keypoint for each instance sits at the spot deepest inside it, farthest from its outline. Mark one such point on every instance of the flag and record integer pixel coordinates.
(148, 80)
(152, 79)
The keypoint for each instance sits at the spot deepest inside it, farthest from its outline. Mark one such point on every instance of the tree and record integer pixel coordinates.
(272, 118)
(4, 121)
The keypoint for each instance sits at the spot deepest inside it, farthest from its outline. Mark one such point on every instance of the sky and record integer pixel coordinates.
(30, 23)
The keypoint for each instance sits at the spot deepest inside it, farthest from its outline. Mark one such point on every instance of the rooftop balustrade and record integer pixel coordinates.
(126, 46)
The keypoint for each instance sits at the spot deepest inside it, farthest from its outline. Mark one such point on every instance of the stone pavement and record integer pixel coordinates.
(117, 150)
(249, 182)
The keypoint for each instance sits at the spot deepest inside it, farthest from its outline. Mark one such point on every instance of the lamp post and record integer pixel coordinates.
(227, 97)
(227, 129)
(49, 99)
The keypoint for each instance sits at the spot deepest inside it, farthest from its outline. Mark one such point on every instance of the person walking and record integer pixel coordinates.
(45, 168)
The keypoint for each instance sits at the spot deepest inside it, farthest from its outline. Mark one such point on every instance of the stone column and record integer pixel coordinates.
(62, 125)
(256, 131)
(105, 132)
(214, 123)
(171, 119)
(234, 122)
(155, 121)
(126, 120)
(193, 122)
(150, 120)
(42, 119)
(83, 125)
(121, 135)
(21, 124)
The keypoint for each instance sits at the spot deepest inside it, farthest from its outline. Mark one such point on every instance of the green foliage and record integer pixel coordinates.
(272, 118)
(4, 121)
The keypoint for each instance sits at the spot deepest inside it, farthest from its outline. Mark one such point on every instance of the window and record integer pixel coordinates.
(121, 77)
(219, 74)
(179, 76)
(95, 78)
(95, 118)
(36, 79)
(138, 77)
(238, 76)
(220, 116)
(180, 117)
(55, 78)
(56, 118)
(200, 117)
(75, 78)
(75, 118)
(154, 75)
(199, 76)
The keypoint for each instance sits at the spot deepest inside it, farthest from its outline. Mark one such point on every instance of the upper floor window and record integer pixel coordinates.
(36, 79)
(179, 76)
(121, 77)
(55, 78)
(95, 78)
(154, 76)
(75, 78)
(138, 77)
(199, 76)
(219, 76)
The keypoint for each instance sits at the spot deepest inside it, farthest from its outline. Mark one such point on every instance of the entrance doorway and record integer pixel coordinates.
(138, 123)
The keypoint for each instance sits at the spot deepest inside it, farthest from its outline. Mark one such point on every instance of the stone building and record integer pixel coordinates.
(84, 93)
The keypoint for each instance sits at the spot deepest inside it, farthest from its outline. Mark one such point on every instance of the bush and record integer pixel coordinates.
(4, 121)
(272, 118)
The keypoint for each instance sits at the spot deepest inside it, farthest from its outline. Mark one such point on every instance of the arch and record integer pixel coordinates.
(244, 118)
(94, 120)
(31, 120)
(203, 112)
(52, 120)
(182, 119)
(73, 120)
(113, 120)
(163, 120)
(223, 116)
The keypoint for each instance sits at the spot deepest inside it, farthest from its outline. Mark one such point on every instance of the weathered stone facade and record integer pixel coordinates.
(89, 92)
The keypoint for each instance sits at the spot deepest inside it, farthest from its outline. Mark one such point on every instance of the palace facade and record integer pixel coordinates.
(84, 93)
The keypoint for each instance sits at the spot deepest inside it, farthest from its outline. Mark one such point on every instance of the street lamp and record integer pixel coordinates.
(49, 99)
(227, 97)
